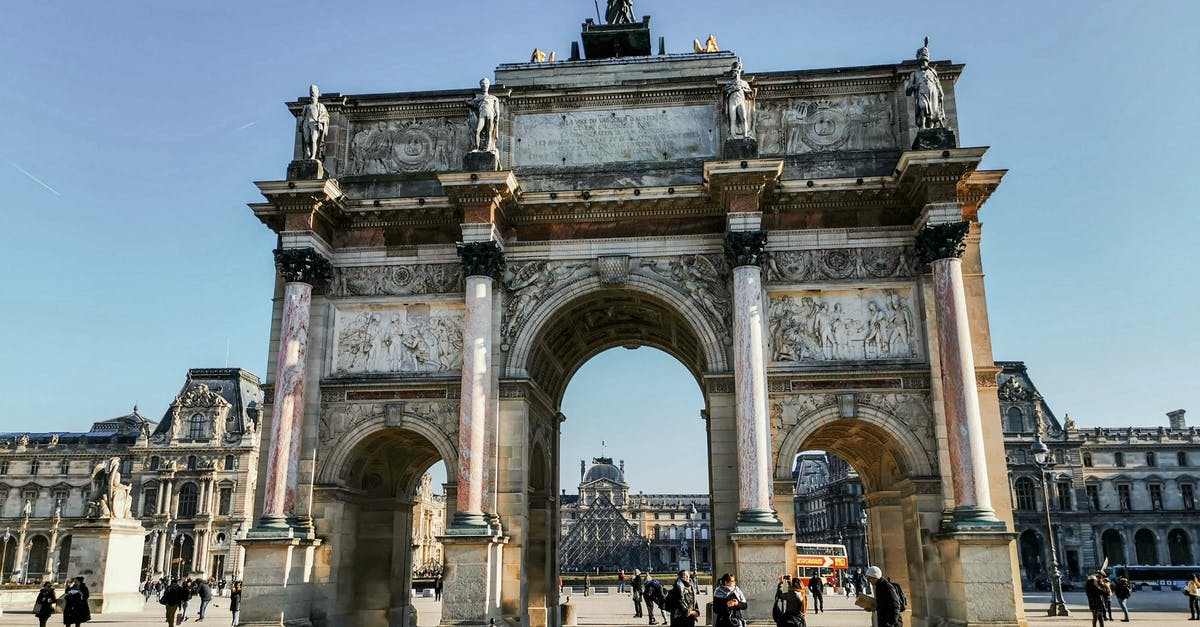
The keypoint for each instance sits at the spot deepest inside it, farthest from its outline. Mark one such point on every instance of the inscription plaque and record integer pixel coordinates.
(594, 137)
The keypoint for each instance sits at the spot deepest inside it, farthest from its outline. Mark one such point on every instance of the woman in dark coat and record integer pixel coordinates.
(43, 607)
(75, 604)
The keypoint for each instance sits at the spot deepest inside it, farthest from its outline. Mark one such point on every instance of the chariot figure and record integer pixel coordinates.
(620, 12)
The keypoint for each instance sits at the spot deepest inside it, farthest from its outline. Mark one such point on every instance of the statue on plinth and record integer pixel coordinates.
(925, 87)
(620, 12)
(27, 508)
(109, 498)
(483, 118)
(314, 126)
(738, 95)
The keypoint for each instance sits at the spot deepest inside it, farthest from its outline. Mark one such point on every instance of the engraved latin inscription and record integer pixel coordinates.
(592, 137)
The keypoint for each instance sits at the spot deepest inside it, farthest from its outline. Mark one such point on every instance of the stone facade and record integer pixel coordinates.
(829, 505)
(429, 524)
(665, 524)
(191, 474)
(826, 294)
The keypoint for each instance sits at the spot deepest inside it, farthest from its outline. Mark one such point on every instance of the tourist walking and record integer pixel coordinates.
(189, 590)
(43, 607)
(816, 587)
(1122, 590)
(858, 580)
(681, 602)
(235, 602)
(888, 607)
(1096, 595)
(587, 585)
(1193, 592)
(437, 587)
(221, 588)
(728, 603)
(639, 586)
(75, 604)
(204, 591)
(1108, 593)
(790, 603)
(621, 582)
(173, 597)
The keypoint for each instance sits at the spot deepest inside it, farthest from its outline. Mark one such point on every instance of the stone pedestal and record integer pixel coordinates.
(935, 139)
(608, 41)
(740, 148)
(273, 582)
(107, 553)
(471, 581)
(306, 170)
(759, 559)
(481, 161)
(979, 579)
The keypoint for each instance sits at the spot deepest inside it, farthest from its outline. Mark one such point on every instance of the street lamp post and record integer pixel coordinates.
(695, 556)
(8, 536)
(1045, 465)
(862, 518)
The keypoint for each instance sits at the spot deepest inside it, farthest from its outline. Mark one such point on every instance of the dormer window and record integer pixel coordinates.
(197, 428)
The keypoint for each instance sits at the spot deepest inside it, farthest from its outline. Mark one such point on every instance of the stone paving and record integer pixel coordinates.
(1153, 609)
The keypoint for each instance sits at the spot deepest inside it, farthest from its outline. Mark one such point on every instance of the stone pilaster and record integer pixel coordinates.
(301, 269)
(942, 246)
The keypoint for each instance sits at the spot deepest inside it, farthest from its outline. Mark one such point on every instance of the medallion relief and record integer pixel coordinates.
(391, 146)
(408, 280)
(799, 125)
(833, 264)
(859, 325)
(409, 340)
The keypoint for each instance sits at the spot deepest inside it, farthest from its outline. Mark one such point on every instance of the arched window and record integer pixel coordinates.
(1143, 542)
(674, 532)
(1114, 546)
(1014, 420)
(197, 428)
(229, 462)
(1180, 547)
(1024, 490)
(189, 495)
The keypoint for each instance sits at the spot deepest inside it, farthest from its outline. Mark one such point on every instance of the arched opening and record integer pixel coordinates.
(1145, 545)
(64, 558)
(10, 555)
(1180, 547)
(39, 558)
(1113, 546)
(1031, 551)
(183, 552)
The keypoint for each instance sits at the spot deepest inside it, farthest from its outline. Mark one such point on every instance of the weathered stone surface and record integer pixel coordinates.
(305, 170)
(481, 161)
(935, 139)
(741, 148)
(620, 135)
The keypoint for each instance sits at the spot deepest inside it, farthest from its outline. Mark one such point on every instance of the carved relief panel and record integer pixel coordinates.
(406, 280)
(403, 339)
(815, 326)
(801, 125)
(391, 146)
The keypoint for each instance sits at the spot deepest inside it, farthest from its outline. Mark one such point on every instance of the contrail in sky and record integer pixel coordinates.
(35, 179)
(246, 126)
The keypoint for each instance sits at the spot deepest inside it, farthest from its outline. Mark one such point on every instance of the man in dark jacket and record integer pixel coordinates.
(887, 600)
(204, 591)
(172, 598)
(652, 594)
(685, 613)
(639, 586)
(816, 588)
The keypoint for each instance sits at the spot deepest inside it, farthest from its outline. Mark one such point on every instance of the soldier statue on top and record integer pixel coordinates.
(620, 12)
(925, 87)
(314, 125)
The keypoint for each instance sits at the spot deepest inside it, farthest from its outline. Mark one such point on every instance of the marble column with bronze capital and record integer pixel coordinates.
(483, 264)
(746, 251)
(942, 246)
(301, 270)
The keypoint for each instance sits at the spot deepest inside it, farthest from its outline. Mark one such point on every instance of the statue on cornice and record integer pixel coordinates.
(314, 125)
(620, 12)
(738, 96)
(926, 88)
(483, 118)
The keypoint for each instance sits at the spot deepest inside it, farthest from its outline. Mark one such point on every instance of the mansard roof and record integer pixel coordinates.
(240, 390)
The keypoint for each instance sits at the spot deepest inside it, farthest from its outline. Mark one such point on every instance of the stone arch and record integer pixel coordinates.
(710, 350)
(64, 557)
(1179, 546)
(825, 429)
(1112, 546)
(1145, 543)
(39, 556)
(1031, 550)
(332, 468)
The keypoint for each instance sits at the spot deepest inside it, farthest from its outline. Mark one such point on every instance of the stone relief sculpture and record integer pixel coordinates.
(428, 145)
(314, 125)
(798, 126)
(483, 119)
(699, 277)
(620, 12)
(841, 263)
(528, 283)
(415, 339)
(109, 498)
(926, 89)
(870, 325)
(434, 278)
(340, 418)
(738, 95)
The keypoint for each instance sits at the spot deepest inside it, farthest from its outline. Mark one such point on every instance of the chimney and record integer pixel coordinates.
(581, 471)
(1176, 418)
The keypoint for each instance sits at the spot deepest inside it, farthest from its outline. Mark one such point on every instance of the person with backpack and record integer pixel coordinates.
(1122, 590)
(890, 601)
(816, 589)
(172, 598)
(791, 603)
(728, 603)
(681, 602)
(653, 595)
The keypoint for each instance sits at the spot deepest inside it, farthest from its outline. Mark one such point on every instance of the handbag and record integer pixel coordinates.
(37, 608)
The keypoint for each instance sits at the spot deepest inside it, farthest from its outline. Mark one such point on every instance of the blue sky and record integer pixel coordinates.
(135, 130)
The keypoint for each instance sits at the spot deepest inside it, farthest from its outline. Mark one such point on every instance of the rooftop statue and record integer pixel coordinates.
(737, 103)
(926, 87)
(482, 118)
(620, 12)
(314, 125)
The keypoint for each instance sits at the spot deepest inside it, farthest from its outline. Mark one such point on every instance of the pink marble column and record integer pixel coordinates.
(942, 247)
(745, 251)
(481, 263)
(300, 269)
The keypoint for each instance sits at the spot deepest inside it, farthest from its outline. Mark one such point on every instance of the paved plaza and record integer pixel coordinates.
(1159, 609)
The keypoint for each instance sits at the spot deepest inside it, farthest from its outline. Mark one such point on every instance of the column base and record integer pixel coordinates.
(979, 579)
(472, 578)
(758, 520)
(759, 559)
(975, 519)
(275, 580)
(469, 524)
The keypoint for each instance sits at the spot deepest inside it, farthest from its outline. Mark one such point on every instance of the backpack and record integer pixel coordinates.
(652, 592)
(674, 600)
(900, 596)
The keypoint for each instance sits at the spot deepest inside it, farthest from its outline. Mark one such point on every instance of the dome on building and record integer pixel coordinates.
(603, 468)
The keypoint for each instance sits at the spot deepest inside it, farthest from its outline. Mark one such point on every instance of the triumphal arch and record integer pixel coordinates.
(805, 242)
